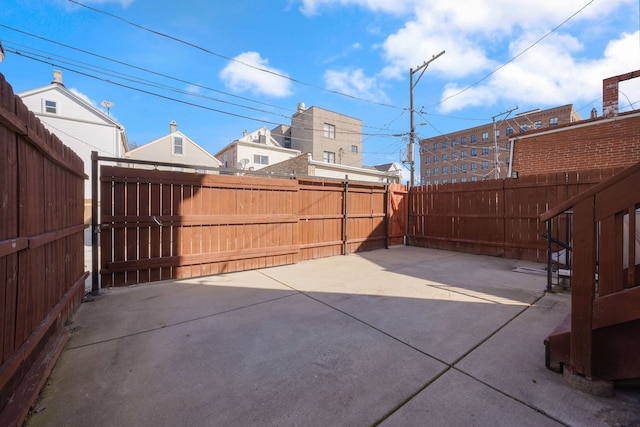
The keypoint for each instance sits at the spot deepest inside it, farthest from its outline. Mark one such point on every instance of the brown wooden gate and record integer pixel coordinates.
(159, 225)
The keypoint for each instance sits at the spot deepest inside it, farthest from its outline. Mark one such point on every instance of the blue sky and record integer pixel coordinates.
(218, 68)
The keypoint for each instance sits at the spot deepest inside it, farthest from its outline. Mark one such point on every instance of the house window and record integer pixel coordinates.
(51, 107)
(474, 139)
(454, 180)
(260, 160)
(474, 166)
(463, 167)
(427, 172)
(427, 159)
(454, 156)
(485, 165)
(444, 181)
(497, 133)
(454, 169)
(427, 147)
(553, 121)
(354, 149)
(485, 136)
(329, 157)
(444, 144)
(427, 182)
(463, 154)
(445, 170)
(509, 131)
(435, 171)
(474, 152)
(435, 159)
(435, 146)
(454, 142)
(508, 145)
(463, 140)
(178, 148)
(537, 124)
(485, 151)
(287, 143)
(444, 157)
(329, 131)
(474, 178)
(523, 128)
(463, 179)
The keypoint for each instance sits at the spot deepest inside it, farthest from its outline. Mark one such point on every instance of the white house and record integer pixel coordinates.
(254, 151)
(175, 147)
(78, 124)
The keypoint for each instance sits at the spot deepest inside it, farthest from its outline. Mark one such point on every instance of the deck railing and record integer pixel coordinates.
(605, 296)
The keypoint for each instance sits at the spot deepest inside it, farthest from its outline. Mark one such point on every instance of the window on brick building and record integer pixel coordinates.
(474, 166)
(553, 121)
(537, 124)
(463, 167)
(329, 157)
(474, 152)
(444, 157)
(485, 136)
(463, 140)
(445, 170)
(463, 154)
(485, 151)
(444, 144)
(485, 165)
(474, 138)
(329, 131)
(509, 131)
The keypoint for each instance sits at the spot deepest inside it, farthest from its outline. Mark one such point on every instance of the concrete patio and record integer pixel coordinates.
(400, 337)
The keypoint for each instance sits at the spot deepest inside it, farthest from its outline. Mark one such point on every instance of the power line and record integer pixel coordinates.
(205, 50)
(514, 58)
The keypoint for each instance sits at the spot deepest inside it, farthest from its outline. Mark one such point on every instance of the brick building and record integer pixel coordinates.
(474, 154)
(612, 140)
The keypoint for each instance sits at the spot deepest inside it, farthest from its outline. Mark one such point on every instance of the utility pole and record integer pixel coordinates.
(412, 134)
(496, 149)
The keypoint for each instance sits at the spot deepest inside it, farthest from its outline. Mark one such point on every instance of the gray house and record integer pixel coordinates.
(174, 147)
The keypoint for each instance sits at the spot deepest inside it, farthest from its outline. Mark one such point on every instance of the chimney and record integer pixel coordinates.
(57, 77)
(173, 126)
(594, 113)
(610, 93)
(301, 107)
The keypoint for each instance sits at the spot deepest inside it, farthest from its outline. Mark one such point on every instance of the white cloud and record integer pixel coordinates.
(355, 83)
(480, 35)
(552, 74)
(84, 97)
(395, 7)
(250, 72)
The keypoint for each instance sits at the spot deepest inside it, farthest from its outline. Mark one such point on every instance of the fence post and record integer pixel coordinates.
(387, 213)
(95, 286)
(345, 218)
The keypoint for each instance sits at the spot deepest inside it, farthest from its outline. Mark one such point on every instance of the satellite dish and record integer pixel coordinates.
(107, 105)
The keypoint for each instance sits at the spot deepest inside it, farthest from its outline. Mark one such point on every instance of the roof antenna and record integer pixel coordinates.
(107, 105)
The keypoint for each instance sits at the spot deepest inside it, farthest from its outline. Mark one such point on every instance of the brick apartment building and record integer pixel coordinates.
(330, 137)
(612, 140)
(474, 154)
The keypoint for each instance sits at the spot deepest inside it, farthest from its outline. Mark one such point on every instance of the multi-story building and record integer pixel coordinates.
(329, 137)
(483, 152)
(254, 150)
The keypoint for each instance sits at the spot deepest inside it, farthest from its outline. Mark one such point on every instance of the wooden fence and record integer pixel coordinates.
(41, 251)
(494, 217)
(158, 225)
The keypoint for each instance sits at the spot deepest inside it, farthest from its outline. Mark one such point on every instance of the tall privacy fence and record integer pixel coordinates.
(41, 250)
(158, 225)
(495, 217)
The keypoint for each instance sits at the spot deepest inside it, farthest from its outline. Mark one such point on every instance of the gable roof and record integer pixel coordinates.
(149, 145)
